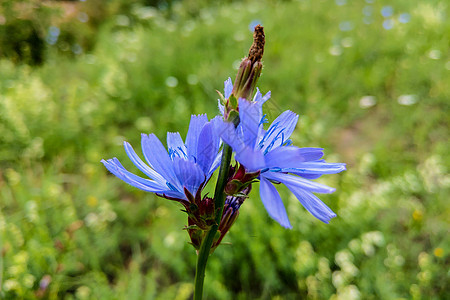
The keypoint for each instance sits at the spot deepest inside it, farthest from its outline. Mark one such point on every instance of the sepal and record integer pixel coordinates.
(239, 180)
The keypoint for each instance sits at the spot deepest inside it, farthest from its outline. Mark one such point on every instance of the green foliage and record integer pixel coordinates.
(374, 98)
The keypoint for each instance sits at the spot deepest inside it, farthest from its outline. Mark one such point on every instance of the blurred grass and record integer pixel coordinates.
(375, 98)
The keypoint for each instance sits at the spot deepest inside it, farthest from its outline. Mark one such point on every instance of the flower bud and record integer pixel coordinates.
(249, 71)
(230, 213)
(239, 180)
(201, 217)
(195, 234)
(206, 210)
(246, 79)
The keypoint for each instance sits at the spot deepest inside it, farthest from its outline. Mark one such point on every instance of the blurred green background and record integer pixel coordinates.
(370, 80)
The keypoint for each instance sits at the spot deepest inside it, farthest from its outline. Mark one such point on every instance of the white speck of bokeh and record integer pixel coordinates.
(407, 99)
(53, 34)
(239, 36)
(388, 24)
(368, 248)
(367, 10)
(346, 26)
(83, 17)
(337, 278)
(335, 50)
(10, 284)
(171, 26)
(171, 81)
(404, 18)
(169, 240)
(54, 31)
(76, 49)
(349, 292)
(367, 101)
(399, 260)
(90, 59)
(144, 124)
(91, 219)
(189, 26)
(122, 20)
(434, 54)
(145, 13)
(387, 11)
(320, 58)
(341, 2)
(367, 20)
(447, 65)
(207, 17)
(192, 79)
(347, 42)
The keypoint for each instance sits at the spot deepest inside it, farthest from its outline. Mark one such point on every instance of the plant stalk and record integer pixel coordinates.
(219, 200)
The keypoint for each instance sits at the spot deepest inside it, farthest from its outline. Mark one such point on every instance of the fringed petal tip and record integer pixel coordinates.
(259, 98)
(228, 87)
(221, 107)
(326, 219)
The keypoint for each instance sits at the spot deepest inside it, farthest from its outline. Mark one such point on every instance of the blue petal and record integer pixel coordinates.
(158, 158)
(259, 98)
(189, 173)
(215, 164)
(279, 131)
(291, 157)
(195, 127)
(307, 176)
(251, 159)
(141, 165)
(315, 168)
(221, 107)
(208, 146)
(218, 158)
(176, 146)
(228, 88)
(250, 114)
(136, 178)
(228, 134)
(311, 153)
(313, 204)
(299, 182)
(114, 166)
(273, 203)
(305, 172)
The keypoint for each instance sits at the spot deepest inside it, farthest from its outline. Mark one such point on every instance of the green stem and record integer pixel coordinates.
(219, 200)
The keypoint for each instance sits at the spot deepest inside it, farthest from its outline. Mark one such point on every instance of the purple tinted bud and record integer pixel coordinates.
(239, 180)
(231, 212)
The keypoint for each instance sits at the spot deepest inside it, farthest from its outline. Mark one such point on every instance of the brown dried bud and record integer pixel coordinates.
(257, 49)
(250, 67)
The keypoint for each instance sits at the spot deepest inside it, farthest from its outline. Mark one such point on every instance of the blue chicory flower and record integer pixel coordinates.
(270, 153)
(184, 166)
